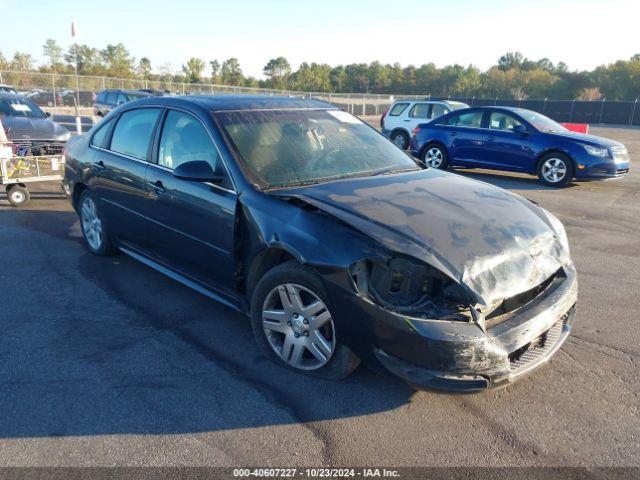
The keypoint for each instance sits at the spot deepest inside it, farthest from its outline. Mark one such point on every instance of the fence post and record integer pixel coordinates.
(602, 110)
(104, 83)
(496, 103)
(364, 104)
(53, 88)
(544, 105)
(1, 77)
(573, 104)
(633, 112)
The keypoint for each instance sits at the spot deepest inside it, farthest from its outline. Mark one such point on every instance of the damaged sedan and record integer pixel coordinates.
(339, 246)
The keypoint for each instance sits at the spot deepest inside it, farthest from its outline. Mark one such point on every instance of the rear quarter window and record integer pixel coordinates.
(397, 109)
(99, 138)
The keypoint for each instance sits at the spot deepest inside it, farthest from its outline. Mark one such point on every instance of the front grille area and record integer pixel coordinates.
(37, 148)
(512, 304)
(520, 359)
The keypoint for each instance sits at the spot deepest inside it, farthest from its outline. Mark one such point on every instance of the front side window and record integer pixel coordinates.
(122, 98)
(280, 148)
(397, 109)
(467, 119)
(184, 139)
(502, 121)
(111, 98)
(132, 133)
(420, 110)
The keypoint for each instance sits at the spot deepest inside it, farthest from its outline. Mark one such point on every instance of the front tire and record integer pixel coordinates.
(293, 324)
(555, 170)
(18, 195)
(94, 231)
(435, 156)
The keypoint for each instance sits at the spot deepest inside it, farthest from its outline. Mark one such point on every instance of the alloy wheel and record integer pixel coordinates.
(554, 170)
(298, 326)
(433, 158)
(91, 223)
(399, 140)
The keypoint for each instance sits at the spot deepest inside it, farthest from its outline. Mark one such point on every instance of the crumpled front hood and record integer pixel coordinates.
(494, 243)
(23, 128)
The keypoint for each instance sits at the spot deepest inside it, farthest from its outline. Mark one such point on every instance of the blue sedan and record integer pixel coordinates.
(517, 140)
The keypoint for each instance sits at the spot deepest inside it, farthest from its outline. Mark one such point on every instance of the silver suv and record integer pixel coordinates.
(404, 115)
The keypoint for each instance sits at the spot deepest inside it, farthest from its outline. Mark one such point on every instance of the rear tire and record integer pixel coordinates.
(18, 195)
(435, 156)
(400, 138)
(95, 233)
(555, 170)
(300, 335)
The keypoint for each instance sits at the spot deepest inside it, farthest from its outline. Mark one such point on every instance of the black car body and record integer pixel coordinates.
(109, 99)
(25, 123)
(447, 282)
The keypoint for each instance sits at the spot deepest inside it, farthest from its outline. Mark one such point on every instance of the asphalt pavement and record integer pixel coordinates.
(103, 361)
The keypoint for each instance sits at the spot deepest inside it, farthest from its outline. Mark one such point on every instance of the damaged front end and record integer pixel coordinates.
(465, 287)
(429, 331)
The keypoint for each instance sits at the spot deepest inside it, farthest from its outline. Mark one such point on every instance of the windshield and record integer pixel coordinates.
(282, 148)
(540, 122)
(20, 107)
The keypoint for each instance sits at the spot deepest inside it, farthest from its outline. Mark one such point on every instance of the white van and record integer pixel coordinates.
(404, 115)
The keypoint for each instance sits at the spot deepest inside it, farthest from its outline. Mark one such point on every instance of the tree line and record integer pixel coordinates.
(513, 76)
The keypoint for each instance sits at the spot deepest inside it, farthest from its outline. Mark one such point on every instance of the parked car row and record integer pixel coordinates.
(339, 246)
(503, 138)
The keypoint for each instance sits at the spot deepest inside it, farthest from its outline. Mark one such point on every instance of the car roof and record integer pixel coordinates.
(238, 102)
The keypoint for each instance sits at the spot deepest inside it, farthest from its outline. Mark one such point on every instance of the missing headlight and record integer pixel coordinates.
(406, 286)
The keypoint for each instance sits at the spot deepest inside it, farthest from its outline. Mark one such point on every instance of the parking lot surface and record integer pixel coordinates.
(103, 361)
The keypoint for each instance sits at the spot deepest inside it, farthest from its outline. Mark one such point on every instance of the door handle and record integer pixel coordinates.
(99, 164)
(158, 187)
(490, 139)
(407, 120)
(453, 134)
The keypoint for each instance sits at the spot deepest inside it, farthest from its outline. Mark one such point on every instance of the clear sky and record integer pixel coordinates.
(582, 33)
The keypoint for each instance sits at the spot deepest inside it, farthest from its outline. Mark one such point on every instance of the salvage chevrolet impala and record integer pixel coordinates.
(337, 244)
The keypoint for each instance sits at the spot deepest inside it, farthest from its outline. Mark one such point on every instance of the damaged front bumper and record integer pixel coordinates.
(461, 356)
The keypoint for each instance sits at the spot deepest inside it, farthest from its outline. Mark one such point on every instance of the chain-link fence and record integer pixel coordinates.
(65, 90)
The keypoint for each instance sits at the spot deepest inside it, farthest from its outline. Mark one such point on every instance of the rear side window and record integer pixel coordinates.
(397, 109)
(420, 110)
(467, 119)
(132, 133)
(99, 138)
(102, 96)
(438, 110)
(111, 98)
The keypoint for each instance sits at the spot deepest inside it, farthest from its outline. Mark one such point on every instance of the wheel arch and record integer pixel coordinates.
(78, 188)
(402, 130)
(265, 260)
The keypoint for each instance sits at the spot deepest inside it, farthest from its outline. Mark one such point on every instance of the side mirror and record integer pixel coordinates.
(197, 171)
(521, 129)
(47, 114)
